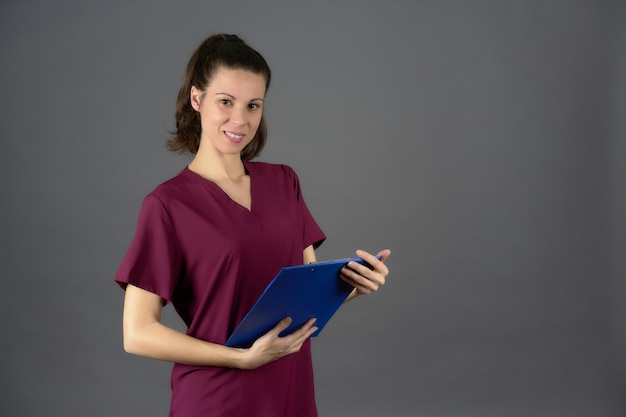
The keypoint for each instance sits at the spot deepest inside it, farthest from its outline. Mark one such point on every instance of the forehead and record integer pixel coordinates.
(240, 81)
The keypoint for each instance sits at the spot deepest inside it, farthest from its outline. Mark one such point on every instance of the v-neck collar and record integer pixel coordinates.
(218, 191)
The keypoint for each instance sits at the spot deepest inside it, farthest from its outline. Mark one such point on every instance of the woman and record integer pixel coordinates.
(210, 239)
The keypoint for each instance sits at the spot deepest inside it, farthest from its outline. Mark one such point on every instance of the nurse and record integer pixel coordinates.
(211, 238)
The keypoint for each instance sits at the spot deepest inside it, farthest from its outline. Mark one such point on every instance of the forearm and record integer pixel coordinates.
(157, 341)
(145, 335)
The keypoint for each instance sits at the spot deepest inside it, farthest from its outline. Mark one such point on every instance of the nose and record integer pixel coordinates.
(239, 115)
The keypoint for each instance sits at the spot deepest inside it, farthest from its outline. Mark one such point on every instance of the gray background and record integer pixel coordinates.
(483, 142)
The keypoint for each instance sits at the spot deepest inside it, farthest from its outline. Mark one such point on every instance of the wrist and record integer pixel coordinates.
(242, 359)
(354, 294)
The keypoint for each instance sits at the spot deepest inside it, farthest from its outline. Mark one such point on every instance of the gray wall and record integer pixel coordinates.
(617, 207)
(481, 141)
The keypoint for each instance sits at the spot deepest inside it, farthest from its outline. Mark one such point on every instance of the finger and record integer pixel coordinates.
(309, 333)
(296, 339)
(375, 263)
(361, 283)
(304, 332)
(295, 334)
(384, 254)
(376, 275)
(306, 328)
(282, 325)
(367, 257)
(360, 288)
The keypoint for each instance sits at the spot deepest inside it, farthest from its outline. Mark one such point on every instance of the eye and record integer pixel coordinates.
(225, 101)
(254, 106)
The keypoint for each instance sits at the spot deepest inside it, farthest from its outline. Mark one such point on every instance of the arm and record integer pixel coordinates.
(309, 255)
(145, 335)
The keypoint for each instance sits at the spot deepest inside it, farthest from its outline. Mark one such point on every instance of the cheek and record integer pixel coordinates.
(256, 120)
(214, 117)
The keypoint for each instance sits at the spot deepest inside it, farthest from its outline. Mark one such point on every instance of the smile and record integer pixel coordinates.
(233, 136)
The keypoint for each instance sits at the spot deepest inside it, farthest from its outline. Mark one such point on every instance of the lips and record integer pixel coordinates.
(234, 137)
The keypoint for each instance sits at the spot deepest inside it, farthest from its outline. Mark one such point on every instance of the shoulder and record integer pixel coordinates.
(268, 168)
(175, 188)
(272, 171)
(275, 179)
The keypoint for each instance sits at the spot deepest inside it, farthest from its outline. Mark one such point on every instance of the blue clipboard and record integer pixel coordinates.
(301, 292)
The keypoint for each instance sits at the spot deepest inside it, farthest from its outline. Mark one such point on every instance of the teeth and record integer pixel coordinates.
(232, 135)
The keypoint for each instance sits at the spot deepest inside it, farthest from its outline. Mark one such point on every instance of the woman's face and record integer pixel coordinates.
(230, 109)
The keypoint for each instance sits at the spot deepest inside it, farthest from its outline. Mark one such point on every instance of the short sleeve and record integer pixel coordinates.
(312, 234)
(153, 260)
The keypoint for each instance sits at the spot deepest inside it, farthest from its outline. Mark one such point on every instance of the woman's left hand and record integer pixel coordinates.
(364, 279)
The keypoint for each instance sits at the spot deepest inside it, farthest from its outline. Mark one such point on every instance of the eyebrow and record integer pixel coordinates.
(234, 98)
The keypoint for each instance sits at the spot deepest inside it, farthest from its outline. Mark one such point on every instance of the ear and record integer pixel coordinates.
(195, 96)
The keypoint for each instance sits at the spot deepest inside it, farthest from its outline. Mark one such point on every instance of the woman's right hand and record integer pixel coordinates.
(271, 346)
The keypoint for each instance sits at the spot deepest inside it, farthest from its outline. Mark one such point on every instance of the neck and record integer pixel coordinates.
(218, 167)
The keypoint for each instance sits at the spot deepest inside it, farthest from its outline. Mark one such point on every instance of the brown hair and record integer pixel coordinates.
(216, 51)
